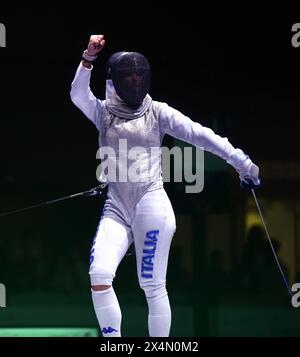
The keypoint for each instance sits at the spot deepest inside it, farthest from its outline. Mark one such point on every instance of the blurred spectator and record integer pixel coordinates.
(247, 275)
(272, 281)
(258, 271)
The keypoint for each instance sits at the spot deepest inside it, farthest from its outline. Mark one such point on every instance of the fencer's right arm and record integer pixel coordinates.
(81, 94)
(83, 97)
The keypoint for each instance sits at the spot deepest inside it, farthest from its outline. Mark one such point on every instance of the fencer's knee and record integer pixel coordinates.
(101, 277)
(154, 290)
(100, 287)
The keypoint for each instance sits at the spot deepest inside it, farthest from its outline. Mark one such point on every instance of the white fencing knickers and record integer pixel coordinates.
(152, 228)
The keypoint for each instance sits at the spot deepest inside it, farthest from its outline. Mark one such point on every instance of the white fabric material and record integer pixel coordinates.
(110, 244)
(108, 312)
(145, 130)
(153, 213)
(171, 122)
(159, 318)
(160, 325)
(83, 98)
(152, 229)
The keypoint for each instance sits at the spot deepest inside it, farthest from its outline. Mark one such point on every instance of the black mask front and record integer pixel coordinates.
(130, 73)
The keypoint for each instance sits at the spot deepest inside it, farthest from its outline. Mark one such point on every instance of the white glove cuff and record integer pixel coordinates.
(240, 161)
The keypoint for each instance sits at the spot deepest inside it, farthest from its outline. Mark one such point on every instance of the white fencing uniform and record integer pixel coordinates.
(141, 212)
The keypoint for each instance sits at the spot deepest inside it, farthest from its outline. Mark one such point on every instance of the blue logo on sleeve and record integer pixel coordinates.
(109, 329)
(149, 254)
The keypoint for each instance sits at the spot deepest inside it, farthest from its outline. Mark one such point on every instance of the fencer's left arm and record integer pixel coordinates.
(182, 127)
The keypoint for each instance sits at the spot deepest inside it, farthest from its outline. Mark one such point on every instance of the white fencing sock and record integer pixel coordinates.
(108, 312)
(159, 318)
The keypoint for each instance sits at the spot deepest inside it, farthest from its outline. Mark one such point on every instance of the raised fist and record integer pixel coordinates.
(96, 43)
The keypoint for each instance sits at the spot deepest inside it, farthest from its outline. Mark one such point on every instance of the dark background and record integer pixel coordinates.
(230, 67)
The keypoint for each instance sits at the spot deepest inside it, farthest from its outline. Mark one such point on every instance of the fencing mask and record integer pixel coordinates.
(130, 75)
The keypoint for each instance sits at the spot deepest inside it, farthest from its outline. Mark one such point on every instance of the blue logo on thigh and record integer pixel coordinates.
(149, 254)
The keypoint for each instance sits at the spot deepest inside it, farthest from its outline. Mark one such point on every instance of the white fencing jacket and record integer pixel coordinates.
(143, 127)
